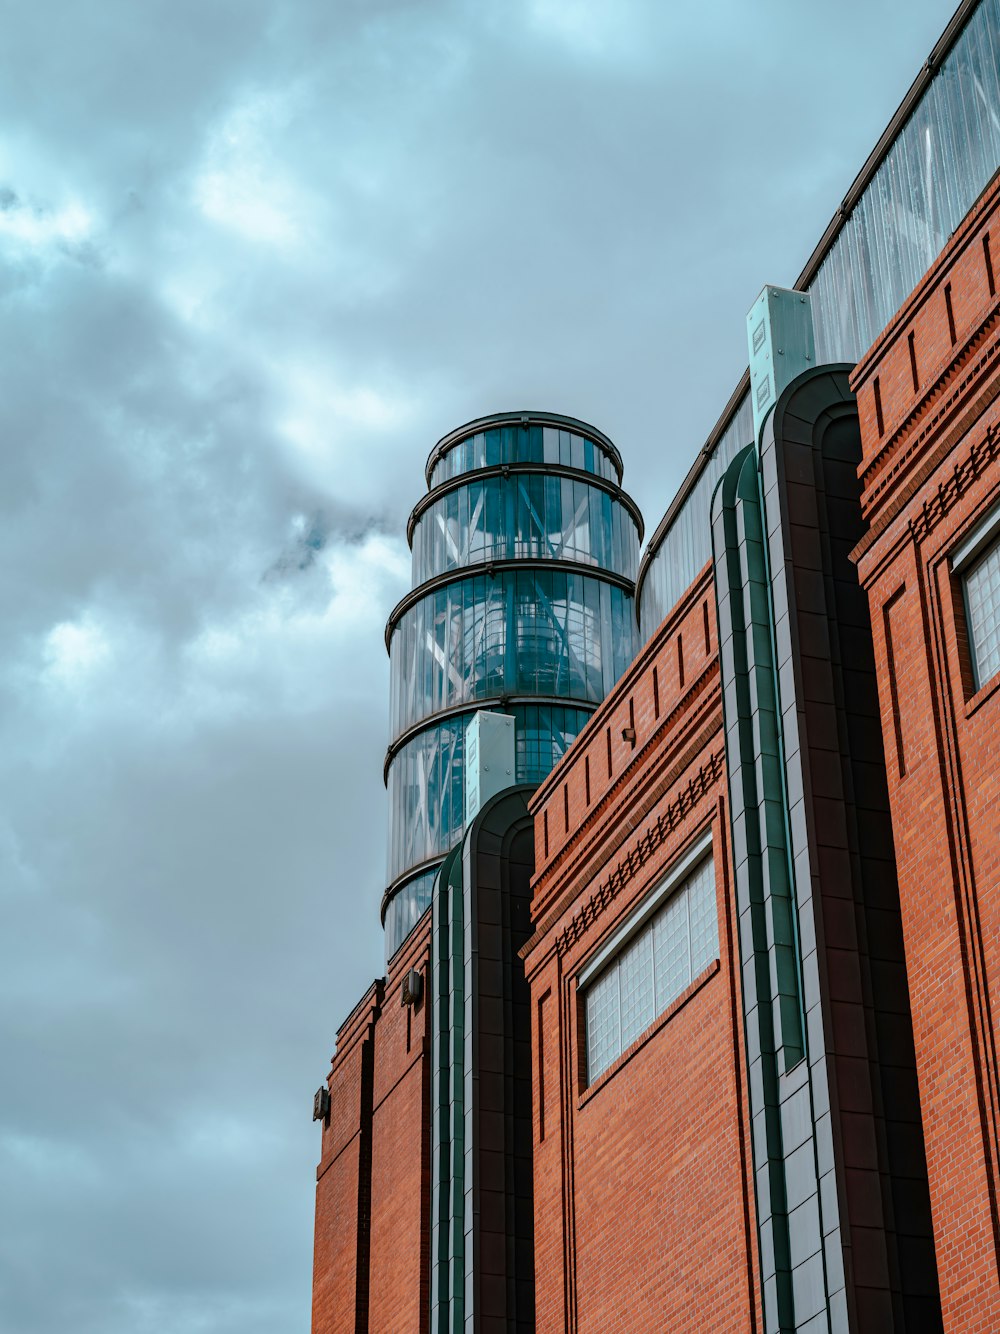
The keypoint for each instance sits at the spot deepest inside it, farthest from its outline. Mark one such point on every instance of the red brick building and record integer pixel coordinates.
(643, 1179)
(928, 393)
(373, 1179)
(699, 1032)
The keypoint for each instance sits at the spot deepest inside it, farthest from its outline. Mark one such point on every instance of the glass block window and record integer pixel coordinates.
(652, 968)
(982, 600)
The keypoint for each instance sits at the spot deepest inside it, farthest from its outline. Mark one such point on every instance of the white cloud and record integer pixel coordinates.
(340, 433)
(265, 656)
(209, 1133)
(597, 30)
(38, 228)
(242, 184)
(45, 1158)
(75, 651)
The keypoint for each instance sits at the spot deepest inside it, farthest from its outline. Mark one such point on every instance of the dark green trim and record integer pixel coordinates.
(747, 687)
(447, 1285)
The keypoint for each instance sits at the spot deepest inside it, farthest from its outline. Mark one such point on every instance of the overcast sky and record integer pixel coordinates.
(255, 258)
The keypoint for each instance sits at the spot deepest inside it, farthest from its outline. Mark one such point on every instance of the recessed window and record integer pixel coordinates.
(982, 601)
(651, 960)
(976, 562)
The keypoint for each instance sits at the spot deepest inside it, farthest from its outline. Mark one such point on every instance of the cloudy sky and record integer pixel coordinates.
(255, 257)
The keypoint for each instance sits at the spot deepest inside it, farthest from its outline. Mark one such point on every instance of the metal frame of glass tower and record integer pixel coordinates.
(525, 551)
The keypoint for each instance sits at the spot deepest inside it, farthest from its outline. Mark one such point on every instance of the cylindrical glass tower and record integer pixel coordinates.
(525, 551)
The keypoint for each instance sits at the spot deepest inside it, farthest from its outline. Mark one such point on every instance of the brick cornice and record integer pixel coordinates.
(950, 490)
(627, 867)
(670, 819)
(952, 400)
(613, 815)
(696, 590)
(355, 1027)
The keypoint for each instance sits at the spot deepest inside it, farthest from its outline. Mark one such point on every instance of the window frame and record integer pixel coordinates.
(700, 849)
(974, 547)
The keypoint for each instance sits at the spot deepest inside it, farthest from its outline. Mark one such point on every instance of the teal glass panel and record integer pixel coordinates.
(519, 632)
(425, 785)
(406, 908)
(525, 516)
(515, 444)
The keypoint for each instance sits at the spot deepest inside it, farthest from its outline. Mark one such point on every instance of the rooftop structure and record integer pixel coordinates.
(525, 550)
(931, 164)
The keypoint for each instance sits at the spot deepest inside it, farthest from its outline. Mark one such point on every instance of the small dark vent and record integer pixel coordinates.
(321, 1104)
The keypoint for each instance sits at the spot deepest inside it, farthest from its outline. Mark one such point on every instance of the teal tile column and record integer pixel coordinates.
(447, 1288)
(772, 1000)
(843, 1209)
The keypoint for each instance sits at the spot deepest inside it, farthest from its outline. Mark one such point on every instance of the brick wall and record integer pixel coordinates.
(340, 1250)
(372, 1198)
(400, 1256)
(643, 1219)
(928, 394)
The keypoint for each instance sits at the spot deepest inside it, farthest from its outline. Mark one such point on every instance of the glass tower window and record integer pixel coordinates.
(426, 778)
(522, 602)
(655, 964)
(513, 443)
(524, 516)
(527, 632)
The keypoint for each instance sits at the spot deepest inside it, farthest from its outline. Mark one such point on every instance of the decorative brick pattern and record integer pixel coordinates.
(643, 1213)
(656, 834)
(927, 494)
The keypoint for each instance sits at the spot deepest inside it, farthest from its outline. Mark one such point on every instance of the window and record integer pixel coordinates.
(982, 600)
(977, 562)
(655, 956)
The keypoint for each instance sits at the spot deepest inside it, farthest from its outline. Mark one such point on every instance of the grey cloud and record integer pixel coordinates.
(254, 259)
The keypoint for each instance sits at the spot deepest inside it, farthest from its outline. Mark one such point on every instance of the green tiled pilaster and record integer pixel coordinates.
(448, 1107)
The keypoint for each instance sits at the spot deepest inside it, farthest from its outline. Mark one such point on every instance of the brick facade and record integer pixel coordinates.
(928, 395)
(655, 1180)
(371, 1259)
(641, 1178)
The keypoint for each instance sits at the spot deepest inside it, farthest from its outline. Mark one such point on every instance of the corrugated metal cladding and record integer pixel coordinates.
(938, 165)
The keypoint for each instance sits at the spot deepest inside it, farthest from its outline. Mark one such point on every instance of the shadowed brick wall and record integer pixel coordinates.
(928, 395)
(371, 1259)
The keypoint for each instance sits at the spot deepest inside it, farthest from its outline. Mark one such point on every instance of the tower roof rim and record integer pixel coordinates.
(526, 417)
